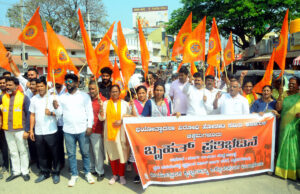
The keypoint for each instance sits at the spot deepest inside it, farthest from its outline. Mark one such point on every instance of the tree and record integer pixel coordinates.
(245, 18)
(62, 15)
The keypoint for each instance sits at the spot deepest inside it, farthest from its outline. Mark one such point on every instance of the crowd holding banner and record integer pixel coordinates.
(198, 130)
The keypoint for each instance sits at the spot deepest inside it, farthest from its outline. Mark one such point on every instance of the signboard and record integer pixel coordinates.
(180, 150)
(150, 17)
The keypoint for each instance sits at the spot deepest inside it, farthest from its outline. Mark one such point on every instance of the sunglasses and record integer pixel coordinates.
(69, 81)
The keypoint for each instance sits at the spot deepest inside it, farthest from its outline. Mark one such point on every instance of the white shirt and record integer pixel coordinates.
(77, 112)
(211, 95)
(237, 105)
(44, 125)
(196, 105)
(60, 121)
(179, 98)
(23, 83)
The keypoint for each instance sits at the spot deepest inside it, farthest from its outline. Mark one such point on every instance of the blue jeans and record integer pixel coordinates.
(83, 142)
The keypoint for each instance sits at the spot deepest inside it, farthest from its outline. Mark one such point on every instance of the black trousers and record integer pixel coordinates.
(61, 149)
(47, 152)
(32, 151)
(4, 149)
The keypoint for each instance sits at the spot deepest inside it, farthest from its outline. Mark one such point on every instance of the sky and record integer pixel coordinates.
(115, 9)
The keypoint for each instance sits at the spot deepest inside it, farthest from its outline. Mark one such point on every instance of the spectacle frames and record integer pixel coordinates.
(69, 81)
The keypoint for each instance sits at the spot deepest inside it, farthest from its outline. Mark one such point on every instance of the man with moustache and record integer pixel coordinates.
(210, 92)
(59, 90)
(197, 102)
(43, 120)
(105, 84)
(232, 103)
(3, 143)
(15, 123)
(76, 109)
(97, 154)
(177, 96)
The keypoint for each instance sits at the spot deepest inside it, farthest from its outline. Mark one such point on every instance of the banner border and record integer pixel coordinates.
(131, 120)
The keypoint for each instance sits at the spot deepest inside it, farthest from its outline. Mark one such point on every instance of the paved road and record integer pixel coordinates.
(255, 184)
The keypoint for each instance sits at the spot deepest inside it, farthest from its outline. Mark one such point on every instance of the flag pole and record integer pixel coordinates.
(203, 67)
(231, 64)
(82, 68)
(53, 82)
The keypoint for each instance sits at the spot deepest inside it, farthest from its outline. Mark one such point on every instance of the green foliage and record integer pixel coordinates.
(245, 18)
(62, 15)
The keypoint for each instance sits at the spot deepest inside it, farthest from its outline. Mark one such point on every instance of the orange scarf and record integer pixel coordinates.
(111, 116)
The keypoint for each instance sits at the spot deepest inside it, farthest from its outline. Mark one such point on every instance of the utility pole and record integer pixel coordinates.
(22, 26)
(88, 19)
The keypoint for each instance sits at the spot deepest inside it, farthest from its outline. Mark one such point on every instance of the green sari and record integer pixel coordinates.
(288, 161)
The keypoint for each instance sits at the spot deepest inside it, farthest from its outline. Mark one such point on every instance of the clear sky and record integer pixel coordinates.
(116, 9)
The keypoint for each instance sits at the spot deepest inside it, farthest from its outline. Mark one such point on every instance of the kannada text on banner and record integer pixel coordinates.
(172, 150)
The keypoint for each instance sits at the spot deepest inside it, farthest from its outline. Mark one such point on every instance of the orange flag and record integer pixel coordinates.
(127, 65)
(182, 35)
(33, 33)
(3, 59)
(144, 50)
(193, 68)
(210, 70)
(179, 66)
(194, 47)
(267, 79)
(89, 50)
(281, 49)
(58, 58)
(213, 56)
(229, 51)
(117, 79)
(103, 48)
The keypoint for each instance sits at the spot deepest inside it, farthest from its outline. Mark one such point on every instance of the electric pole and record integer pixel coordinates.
(22, 26)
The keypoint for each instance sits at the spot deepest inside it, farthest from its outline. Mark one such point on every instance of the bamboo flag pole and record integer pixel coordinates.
(82, 68)
(203, 67)
(53, 77)
(231, 64)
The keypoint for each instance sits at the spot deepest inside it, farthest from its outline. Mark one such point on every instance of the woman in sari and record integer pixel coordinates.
(266, 103)
(115, 142)
(288, 160)
(158, 106)
(141, 100)
(139, 104)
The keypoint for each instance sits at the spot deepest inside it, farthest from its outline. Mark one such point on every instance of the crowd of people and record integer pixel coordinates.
(38, 121)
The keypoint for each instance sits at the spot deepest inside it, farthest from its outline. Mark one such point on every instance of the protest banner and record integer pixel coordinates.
(170, 150)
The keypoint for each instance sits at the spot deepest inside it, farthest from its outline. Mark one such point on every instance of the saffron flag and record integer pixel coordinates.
(229, 51)
(182, 35)
(89, 50)
(144, 50)
(213, 56)
(58, 58)
(117, 79)
(127, 65)
(179, 67)
(194, 47)
(210, 70)
(281, 49)
(33, 33)
(267, 79)
(4, 63)
(193, 68)
(103, 48)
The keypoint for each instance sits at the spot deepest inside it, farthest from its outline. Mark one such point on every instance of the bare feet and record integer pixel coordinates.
(122, 180)
(113, 180)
